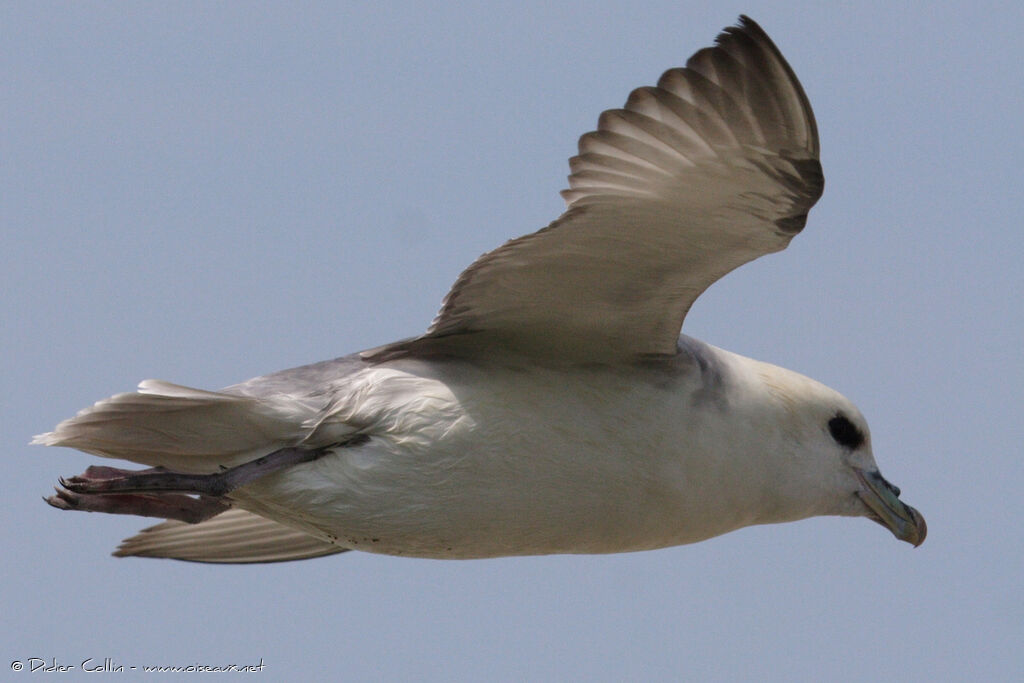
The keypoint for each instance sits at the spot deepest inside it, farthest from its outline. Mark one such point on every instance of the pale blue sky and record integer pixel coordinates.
(206, 192)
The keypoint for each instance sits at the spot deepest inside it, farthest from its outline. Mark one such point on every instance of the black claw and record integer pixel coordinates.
(59, 502)
(74, 484)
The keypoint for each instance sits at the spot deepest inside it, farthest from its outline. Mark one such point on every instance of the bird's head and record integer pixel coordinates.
(827, 461)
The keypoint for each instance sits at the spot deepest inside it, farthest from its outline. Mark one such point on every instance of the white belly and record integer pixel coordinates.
(510, 463)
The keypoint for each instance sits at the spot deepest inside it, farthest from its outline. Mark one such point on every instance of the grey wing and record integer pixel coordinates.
(713, 167)
(232, 537)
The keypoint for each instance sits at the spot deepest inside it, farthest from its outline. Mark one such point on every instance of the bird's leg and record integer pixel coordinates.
(157, 492)
(157, 479)
(177, 506)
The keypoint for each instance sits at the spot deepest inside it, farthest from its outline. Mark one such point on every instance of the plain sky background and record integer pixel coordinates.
(204, 192)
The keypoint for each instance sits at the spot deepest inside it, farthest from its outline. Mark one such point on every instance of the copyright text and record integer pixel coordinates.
(109, 665)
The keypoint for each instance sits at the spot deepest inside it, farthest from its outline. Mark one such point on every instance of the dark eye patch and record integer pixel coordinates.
(845, 432)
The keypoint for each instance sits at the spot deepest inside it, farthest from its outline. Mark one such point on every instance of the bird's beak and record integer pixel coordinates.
(885, 507)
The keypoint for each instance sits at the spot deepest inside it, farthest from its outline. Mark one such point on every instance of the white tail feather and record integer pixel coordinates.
(184, 429)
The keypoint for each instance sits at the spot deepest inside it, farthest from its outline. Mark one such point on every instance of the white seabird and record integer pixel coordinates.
(552, 406)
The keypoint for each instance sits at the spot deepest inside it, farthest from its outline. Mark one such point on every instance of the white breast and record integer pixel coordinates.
(464, 461)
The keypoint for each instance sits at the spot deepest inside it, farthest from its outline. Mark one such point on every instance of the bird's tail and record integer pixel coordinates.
(183, 429)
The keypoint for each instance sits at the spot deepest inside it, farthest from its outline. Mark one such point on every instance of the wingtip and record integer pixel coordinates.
(744, 25)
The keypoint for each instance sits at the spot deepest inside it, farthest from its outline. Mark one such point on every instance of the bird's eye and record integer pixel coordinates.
(845, 432)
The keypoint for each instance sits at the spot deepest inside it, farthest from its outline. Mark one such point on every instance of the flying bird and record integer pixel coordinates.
(552, 405)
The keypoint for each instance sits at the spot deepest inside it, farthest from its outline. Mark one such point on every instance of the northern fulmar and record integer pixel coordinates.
(552, 405)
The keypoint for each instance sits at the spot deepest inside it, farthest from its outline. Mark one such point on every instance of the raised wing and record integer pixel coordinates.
(713, 167)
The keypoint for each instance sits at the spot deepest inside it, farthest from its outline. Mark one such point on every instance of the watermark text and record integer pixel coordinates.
(110, 665)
